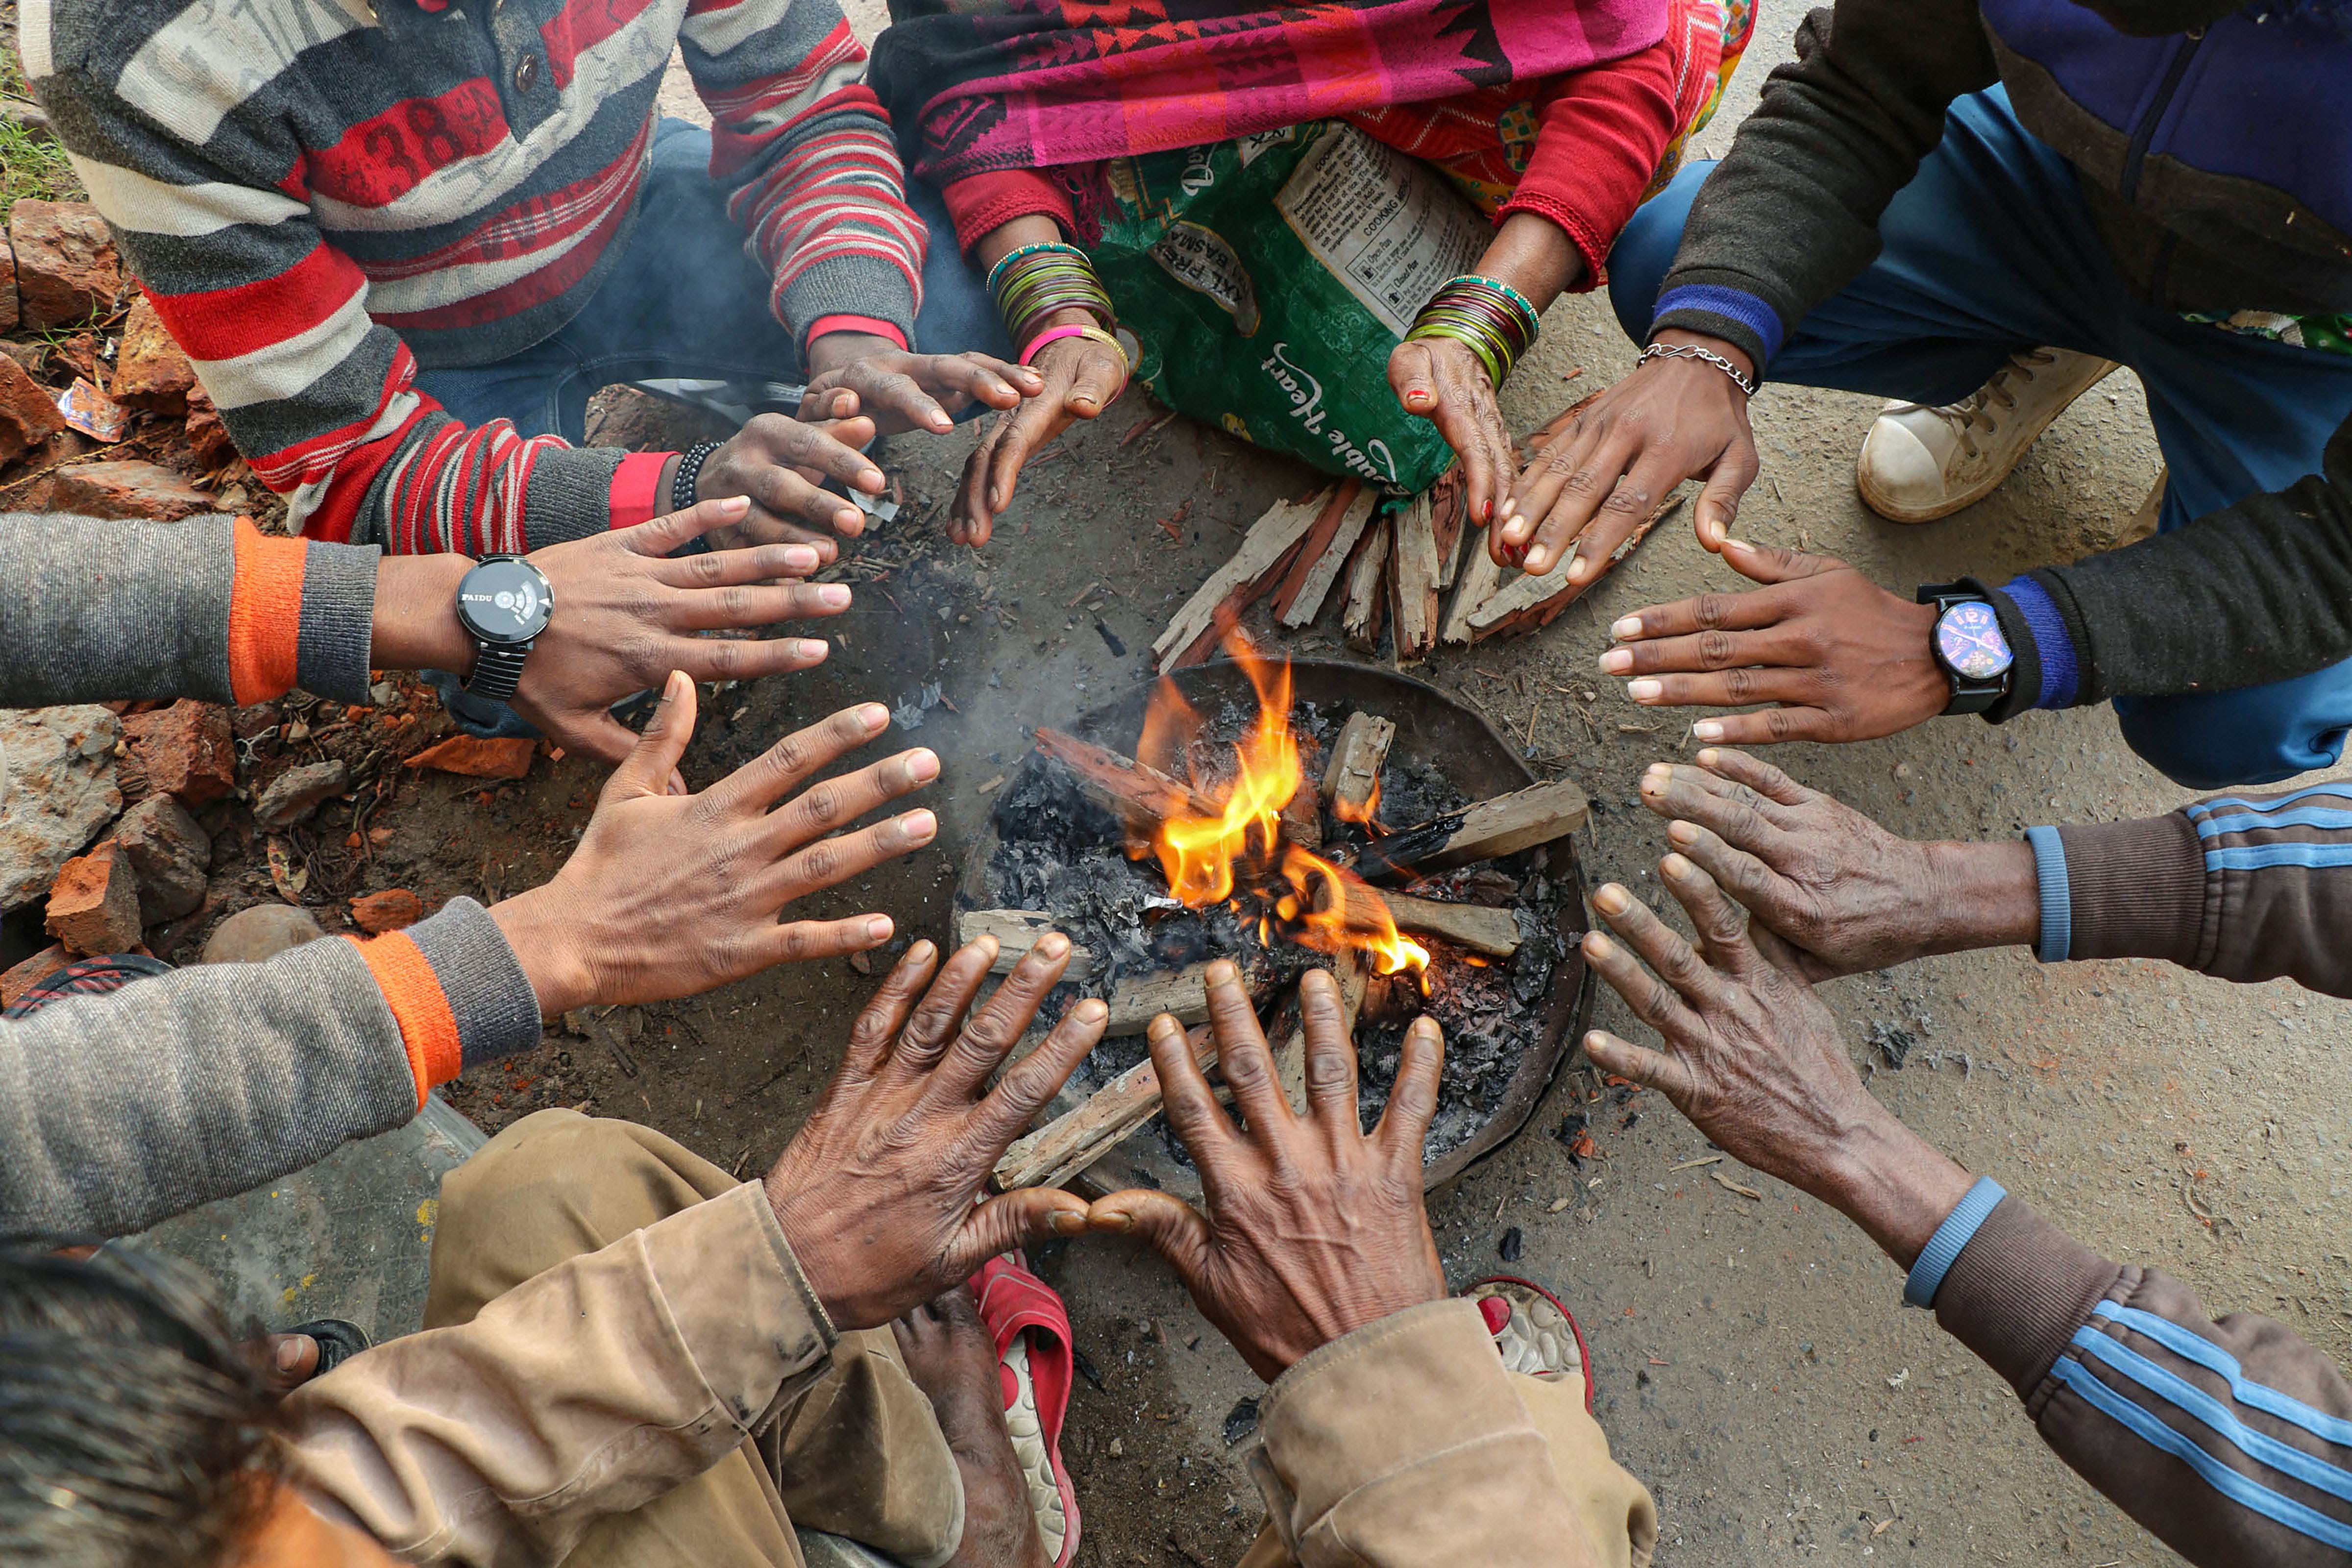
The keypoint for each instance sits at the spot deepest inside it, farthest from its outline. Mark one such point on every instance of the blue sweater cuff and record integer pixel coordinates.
(1943, 1248)
(1729, 303)
(2057, 943)
(2060, 676)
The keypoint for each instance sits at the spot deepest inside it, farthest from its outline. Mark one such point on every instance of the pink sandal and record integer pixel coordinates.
(1032, 1330)
(1534, 1334)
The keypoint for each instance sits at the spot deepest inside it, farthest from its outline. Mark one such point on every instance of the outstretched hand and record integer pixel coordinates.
(1838, 656)
(878, 1192)
(1442, 381)
(1081, 377)
(669, 894)
(903, 390)
(1314, 1229)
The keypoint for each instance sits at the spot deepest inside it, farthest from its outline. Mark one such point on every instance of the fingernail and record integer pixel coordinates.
(800, 558)
(1612, 900)
(1708, 729)
(1645, 690)
(1595, 1040)
(1534, 560)
(922, 766)
(1655, 781)
(289, 1352)
(1598, 946)
(732, 506)
(1630, 626)
(1066, 1222)
(1116, 1221)
(1683, 832)
(1674, 865)
(1426, 1027)
(919, 827)
(871, 479)
(1510, 511)
(872, 715)
(1224, 973)
(812, 650)
(1737, 544)
(1051, 946)
(833, 595)
(826, 550)
(922, 951)
(1617, 662)
(1093, 1010)
(1579, 568)
(1707, 757)
(878, 929)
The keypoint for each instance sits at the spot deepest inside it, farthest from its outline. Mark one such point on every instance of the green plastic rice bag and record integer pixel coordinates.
(1265, 280)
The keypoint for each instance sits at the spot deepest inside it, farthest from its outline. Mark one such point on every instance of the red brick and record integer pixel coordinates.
(66, 266)
(208, 436)
(186, 750)
(149, 371)
(395, 909)
(94, 903)
(127, 489)
(28, 412)
(15, 981)
(469, 756)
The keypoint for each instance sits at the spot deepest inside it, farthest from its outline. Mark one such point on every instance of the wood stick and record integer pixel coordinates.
(1324, 555)
(1237, 584)
(1449, 516)
(1508, 823)
(1527, 603)
(1413, 583)
(1016, 932)
(1142, 798)
(1302, 813)
(1136, 1000)
(1366, 575)
(1353, 779)
(1494, 933)
(1478, 579)
(1066, 1145)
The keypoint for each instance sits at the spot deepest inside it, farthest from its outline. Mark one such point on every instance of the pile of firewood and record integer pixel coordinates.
(1395, 566)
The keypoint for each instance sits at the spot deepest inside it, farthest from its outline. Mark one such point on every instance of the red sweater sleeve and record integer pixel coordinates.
(989, 201)
(1603, 131)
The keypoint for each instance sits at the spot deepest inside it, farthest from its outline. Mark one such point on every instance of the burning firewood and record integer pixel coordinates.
(1135, 1001)
(1324, 555)
(1234, 587)
(1503, 825)
(1142, 798)
(1063, 1147)
(1413, 583)
(1366, 575)
(1302, 818)
(1351, 785)
(1016, 932)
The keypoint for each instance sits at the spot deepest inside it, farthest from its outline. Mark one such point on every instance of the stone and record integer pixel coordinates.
(208, 436)
(66, 266)
(186, 750)
(94, 905)
(29, 118)
(171, 853)
(127, 488)
(296, 793)
(28, 411)
(259, 934)
(57, 792)
(15, 981)
(149, 371)
(395, 909)
(470, 757)
(10, 315)
(29, 355)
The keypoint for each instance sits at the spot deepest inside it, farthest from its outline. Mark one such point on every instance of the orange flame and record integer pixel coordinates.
(1328, 908)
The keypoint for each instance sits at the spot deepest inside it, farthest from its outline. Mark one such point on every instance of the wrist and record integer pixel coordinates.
(1989, 895)
(1894, 1184)
(837, 349)
(542, 937)
(1730, 350)
(415, 624)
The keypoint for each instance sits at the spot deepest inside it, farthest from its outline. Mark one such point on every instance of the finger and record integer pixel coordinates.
(878, 1021)
(1658, 999)
(1564, 485)
(1241, 1053)
(731, 609)
(1330, 1058)
(1412, 1098)
(994, 1027)
(1719, 499)
(1024, 431)
(1722, 929)
(1770, 563)
(1036, 1077)
(1669, 1075)
(784, 496)
(888, 392)
(1770, 727)
(1101, 378)
(745, 659)
(1172, 1228)
(292, 1358)
(766, 528)
(834, 447)
(942, 1010)
(1471, 425)
(596, 734)
(776, 771)
(967, 377)
(1777, 643)
(654, 757)
(1629, 503)
(727, 568)
(972, 520)
(1756, 775)
(806, 941)
(1193, 1112)
(829, 862)
(1749, 611)
(1726, 688)
(669, 531)
(1733, 810)
(1012, 1221)
(1755, 884)
(835, 803)
(1412, 376)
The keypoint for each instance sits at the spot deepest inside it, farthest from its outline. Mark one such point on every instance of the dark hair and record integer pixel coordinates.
(134, 1430)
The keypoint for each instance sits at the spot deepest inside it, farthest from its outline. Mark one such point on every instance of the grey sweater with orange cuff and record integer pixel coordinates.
(120, 1109)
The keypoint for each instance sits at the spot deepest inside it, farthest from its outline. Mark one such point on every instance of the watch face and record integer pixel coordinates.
(1968, 636)
(504, 602)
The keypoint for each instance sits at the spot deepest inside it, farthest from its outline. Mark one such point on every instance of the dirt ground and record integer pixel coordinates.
(1755, 1366)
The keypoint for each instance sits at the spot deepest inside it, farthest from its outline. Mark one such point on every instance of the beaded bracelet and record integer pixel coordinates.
(1489, 317)
(1038, 281)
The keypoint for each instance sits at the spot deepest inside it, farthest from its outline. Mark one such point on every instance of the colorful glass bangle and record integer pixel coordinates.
(1111, 339)
(1528, 313)
(1043, 247)
(1055, 335)
(1491, 319)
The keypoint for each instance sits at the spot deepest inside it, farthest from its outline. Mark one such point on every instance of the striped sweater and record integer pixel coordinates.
(320, 197)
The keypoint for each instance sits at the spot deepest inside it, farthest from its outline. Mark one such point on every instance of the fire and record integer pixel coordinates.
(1242, 851)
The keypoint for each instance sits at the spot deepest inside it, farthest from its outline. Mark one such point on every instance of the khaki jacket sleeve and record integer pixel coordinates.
(584, 1392)
(1405, 1445)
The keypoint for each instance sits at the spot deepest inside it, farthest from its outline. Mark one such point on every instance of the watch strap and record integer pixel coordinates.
(498, 669)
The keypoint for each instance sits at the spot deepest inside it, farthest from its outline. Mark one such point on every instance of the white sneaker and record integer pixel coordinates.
(1920, 463)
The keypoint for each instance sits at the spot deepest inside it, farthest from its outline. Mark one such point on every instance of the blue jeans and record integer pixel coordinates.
(686, 301)
(1988, 250)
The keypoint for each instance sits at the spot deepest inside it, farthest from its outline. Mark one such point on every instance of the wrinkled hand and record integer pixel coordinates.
(668, 895)
(1842, 891)
(1670, 420)
(1755, 1061)
(625, 616)
(903, 390)
(780, 464)
(1080, 377)
(1442, 381)
(1839, 656)
(1314, 1229)
(876, 1191)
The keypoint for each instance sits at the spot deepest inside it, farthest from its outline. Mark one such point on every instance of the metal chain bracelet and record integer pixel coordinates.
(1746, 383)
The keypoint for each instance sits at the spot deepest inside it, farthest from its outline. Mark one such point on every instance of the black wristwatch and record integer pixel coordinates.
(504, 603)
(1969, 645)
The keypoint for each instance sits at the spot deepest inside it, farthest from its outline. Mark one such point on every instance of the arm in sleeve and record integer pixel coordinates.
(212, 608)
(585, 1392)
(2230, 1440)
(1602, 133)
(1791, 214)
(2246, 887)
(1404, 1445)
(806, 152)
(319, 398)
(122, 1108)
